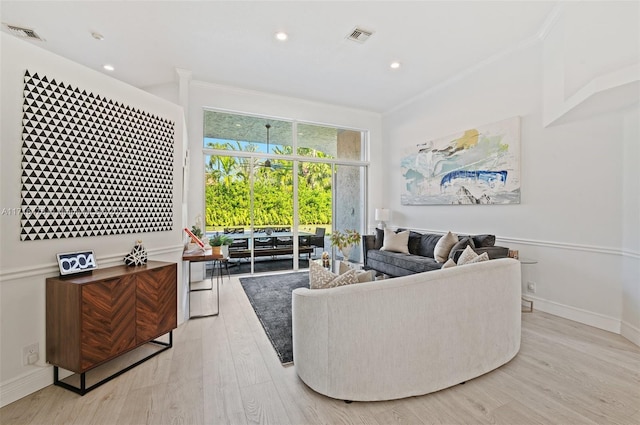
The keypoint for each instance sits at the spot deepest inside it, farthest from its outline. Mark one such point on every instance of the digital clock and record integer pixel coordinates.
(76, 262)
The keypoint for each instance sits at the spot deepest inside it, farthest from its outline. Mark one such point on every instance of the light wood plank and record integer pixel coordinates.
(263, 406)
(222, 398)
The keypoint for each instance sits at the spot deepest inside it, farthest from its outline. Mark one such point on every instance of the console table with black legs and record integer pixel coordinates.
(217, 261)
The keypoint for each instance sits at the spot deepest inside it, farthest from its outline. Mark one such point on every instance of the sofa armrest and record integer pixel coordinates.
(493, 252)
(368, 242)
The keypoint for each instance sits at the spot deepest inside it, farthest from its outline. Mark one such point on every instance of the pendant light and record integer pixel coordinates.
(267, 163)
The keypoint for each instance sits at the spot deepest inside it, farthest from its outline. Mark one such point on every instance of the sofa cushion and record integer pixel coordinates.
(428, 243)
(396, 242)
(492, 251)
(462, 244)
(320, 278)
(443, 247)
(482, 241)
(396, 264)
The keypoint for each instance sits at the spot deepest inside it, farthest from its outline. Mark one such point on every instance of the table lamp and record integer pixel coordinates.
(382, 215)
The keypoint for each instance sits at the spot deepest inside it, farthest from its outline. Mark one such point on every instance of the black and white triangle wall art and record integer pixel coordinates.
(92, 166)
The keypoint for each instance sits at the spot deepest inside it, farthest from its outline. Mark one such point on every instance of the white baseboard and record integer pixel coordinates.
(630, 332)
(590, 318)
(26, 384)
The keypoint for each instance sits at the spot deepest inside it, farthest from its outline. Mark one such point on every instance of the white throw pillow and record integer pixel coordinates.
(320, 278)
(364, 276)
(396, 242)
(449, 263)
(443, 246)
(343, 268)
(467, 255)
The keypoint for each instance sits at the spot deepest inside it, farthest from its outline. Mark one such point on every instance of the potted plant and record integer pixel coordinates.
(196, 231)
(344, 241)
(220, 245)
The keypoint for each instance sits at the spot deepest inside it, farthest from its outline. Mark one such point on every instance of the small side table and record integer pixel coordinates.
(527, 262)
(217, 260)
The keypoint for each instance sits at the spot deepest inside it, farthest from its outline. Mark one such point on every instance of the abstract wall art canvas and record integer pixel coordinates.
(476, 166)
(92, 166)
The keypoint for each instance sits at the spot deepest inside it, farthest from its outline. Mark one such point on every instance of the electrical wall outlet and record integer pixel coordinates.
(30, 354)
(531, 287)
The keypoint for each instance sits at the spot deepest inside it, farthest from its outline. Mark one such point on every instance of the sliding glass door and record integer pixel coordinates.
(279, 188)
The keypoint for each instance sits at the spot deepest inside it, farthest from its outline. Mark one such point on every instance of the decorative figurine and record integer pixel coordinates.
(325, 260)
(137, 256)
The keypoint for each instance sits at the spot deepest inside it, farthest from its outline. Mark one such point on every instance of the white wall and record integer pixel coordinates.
(25, 265)
(630, 223)
(579, 193)
(204, 95)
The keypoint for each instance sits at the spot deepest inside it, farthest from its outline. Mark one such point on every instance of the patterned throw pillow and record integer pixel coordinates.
(320, 278)
(467, 256)
(449, 263)
(443, 247)
(482, 257)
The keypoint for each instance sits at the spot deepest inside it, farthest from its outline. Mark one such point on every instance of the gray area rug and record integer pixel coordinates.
(270, 297)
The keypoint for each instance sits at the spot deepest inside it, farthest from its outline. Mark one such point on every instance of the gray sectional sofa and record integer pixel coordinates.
(421, 256)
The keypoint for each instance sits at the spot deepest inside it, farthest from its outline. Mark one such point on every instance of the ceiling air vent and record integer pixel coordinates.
(23, 32)
(359, 35)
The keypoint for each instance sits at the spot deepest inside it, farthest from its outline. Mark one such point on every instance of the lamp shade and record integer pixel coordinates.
(383, 214)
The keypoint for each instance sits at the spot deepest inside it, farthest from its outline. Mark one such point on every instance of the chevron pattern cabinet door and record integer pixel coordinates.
(156, 303)
(108, 311)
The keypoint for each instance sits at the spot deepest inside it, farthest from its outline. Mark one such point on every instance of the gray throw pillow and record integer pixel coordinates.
(462, 244)
(379, 238)
(414, 242)
(482, 241)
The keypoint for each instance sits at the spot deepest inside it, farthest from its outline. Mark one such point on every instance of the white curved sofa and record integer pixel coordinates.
(409, 335)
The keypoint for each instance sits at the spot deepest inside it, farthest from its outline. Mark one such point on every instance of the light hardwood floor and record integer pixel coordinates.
(223, 370)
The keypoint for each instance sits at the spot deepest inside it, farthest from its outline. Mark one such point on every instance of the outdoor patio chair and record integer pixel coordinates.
(240, 243)
(317, 240)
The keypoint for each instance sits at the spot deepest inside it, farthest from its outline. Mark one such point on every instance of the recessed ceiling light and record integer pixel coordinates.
(281, 36)
(395, 65)
(108, 67)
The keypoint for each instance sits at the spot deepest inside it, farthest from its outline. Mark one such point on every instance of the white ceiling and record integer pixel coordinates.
(232, 43)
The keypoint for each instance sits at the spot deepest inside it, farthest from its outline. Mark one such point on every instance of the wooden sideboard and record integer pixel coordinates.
(94, 318)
